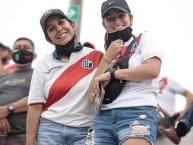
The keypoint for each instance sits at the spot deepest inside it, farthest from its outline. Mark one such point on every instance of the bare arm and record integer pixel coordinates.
(100, 70)
(110, 54)
(147, 71)
(20, 106)
(33, 117)
(189, 99)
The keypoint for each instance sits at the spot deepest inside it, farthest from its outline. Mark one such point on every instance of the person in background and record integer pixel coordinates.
(183, 126)
(6, 63)
(14, 89)
(169, 89)
(131, 119)
(59, 111)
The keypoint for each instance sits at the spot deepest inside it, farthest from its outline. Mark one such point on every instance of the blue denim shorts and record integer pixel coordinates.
(52, 133)
(115, 126)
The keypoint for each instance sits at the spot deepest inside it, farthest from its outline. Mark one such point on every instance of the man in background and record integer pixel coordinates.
(169, 89)
(182, 127)
(14, 89)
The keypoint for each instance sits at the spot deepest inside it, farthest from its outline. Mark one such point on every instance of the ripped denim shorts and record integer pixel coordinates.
(115, 126)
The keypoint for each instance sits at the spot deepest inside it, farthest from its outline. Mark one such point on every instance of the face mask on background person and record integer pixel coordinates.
(22, 57)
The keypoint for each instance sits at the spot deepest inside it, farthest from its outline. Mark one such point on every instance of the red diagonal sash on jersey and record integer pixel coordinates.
(122, 52)
(70, 77)
(162, 84)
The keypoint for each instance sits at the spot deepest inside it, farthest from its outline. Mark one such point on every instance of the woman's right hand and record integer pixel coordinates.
(114, 48)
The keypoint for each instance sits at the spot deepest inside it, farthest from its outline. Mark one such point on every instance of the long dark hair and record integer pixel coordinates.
(106, 45)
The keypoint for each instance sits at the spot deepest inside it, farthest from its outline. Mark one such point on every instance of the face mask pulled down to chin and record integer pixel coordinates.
(124, 35)
(66, 49)
(22, 57)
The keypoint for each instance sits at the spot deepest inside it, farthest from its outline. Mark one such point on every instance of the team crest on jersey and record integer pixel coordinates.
(134, 47)
(162, 84)
(87, 64)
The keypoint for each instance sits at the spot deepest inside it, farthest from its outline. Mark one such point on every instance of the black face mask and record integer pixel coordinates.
(22, 57)
(124, 35)
(66, 49)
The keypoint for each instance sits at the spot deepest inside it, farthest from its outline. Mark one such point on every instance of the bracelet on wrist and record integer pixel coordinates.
(107, 59)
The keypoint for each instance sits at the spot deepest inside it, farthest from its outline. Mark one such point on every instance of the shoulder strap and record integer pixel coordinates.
(130, 46)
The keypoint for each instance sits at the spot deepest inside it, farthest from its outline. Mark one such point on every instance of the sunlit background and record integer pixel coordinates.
(171, 20)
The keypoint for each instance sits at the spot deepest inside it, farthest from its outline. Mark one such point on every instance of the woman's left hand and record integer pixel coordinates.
(104, 79)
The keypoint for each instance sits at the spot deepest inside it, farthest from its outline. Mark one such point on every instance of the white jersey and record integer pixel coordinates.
(62, 86)
(168, 90)
(139, 93)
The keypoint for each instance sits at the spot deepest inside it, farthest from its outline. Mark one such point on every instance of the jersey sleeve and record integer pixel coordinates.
(36, 93)
(150, 46)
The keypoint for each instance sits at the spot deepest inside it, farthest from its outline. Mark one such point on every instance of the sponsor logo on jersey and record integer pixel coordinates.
(53, 68)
